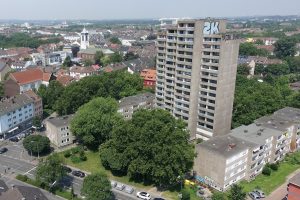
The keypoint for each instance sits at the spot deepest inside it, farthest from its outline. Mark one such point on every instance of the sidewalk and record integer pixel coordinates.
(281, 191)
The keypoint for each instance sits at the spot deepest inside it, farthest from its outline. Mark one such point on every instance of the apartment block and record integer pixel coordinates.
(16, 114)
(267, 140)
(128, 105)
(196, 73)
(58, 130)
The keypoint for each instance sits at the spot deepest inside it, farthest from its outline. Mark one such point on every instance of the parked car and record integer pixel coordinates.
(78, 174)
(120, 186)
(253, 195)
(113, 184)
(158, 198)
(143, 195)
(67, 169)
(3, 150)
(260, 193)
(14, 139)
(128, 189)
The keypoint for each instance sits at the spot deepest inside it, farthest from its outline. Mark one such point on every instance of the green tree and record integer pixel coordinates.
(50, 170)
(87, 62)
(218, 196)
(185, 195)
(137, 147)
(236, 193)
(37, 122)
(1, 90)
(67, 62)
(243, 69)
(94, 121)
(115, 40)
(116, 57)
(259, 69)
(50, 94)
(249, 49)
(294, 64)
(277, 69)
(285, 47)
(98, 56)
(37, 144)
(97, 187)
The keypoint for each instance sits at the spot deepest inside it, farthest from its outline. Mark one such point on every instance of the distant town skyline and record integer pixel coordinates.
(142, 9)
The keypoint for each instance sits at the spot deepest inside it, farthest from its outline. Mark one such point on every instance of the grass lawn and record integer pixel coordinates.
(277, 178)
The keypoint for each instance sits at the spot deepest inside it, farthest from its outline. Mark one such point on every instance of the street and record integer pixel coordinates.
(17, 161)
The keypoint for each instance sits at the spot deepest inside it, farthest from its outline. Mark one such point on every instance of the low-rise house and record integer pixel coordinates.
(30, 79)
(65, 80)
(89, 53)
(81, 72)
(16, 113)
(128, 105)
(58, 130)
(4, 69)
(294, 188)
(149, 77)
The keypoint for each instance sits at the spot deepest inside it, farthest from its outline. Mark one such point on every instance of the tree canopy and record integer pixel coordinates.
(67, 62)
(36, 144)
(285, 47)
(117, 85)
(115, 40)
(153, 146)
(94, 121)
(50, 170)
(249, 49)
(236, 193)
(97, 187)
(51, 93)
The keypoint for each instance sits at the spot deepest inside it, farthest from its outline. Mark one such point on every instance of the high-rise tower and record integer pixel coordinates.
(196, 73)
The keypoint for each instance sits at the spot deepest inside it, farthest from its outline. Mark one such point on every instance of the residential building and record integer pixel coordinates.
(149, 77)
(78, 73)
(16, 113)
(196, 72)
(58, 130)
(221, 161)
(128, 105)
(89, 53)
(38, 103)
(294, 188)
(268, 140)
(4, 69)
(30, 79)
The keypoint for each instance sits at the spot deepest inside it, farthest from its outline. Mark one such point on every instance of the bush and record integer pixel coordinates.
(274, 166)
(82, 156)
(67, 154)
(266, 171)
(185, 194)
(76, 150)
(21, 177)
(75, 159)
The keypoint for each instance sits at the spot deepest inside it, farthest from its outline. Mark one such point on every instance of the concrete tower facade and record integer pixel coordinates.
(196, 73)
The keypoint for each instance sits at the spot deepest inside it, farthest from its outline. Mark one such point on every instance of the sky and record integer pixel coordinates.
(142, 9)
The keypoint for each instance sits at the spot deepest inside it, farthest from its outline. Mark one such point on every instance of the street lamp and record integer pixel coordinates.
(180, 179)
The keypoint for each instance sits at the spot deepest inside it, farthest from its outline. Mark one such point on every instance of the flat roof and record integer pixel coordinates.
(60, 121)
(274, 122)
(226, 145)
(254, 133)
(135, 100)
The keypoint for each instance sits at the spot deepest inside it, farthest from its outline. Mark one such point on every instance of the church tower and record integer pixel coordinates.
(84, 44)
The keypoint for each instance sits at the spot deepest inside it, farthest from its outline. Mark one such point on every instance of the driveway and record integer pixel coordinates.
(281, 191)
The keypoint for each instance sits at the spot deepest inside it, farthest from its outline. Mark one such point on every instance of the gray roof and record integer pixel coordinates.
(2, 65)
(137, 99)
(60, 121)
(274, 122)
(93, 50)
(289, 114)
(295, 180)
(31, 193)
(14, 103)
(254, 134)
(226, 145)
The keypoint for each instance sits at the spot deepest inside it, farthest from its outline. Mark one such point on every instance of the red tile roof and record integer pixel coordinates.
(29, 76)
(148, 74)
(65, 79)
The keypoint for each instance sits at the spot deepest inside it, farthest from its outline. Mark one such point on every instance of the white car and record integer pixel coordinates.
(143, 195)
